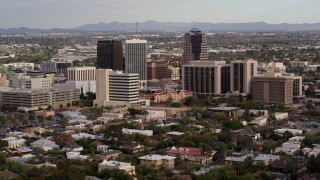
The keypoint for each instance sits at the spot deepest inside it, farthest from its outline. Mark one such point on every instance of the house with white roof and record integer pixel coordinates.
(315, 151)
(280, 132)
(76, 155)
(127, 167)
(86, 135)
(44, 144)
(136, 131)
(237, 158)
(266, 159)
(72, 147)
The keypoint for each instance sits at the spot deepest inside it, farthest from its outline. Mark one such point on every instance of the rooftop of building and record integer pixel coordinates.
(186, 151)
(154, 157)
(224, 108)
(265, 157)
(115, 163)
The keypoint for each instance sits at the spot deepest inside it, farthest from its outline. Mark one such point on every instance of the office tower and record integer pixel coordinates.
(55, 66)
(123, 86)
(114, 87)
(136, 58)
(81, 73)
(195, 46)
(272, 89)
(241, 72)
(206, 77)
(157, 70)
(109, 55)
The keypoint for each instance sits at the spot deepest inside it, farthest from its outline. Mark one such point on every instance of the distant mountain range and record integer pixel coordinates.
(173, 26)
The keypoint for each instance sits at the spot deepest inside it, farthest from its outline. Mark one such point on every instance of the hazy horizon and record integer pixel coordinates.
(48, 14)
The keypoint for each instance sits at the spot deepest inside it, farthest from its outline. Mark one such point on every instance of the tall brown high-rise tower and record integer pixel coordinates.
(109, 55)
(195, 46)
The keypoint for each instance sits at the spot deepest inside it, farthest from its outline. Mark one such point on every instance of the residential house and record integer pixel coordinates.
(127, 167)
(136, 131)
(192, 154)
(266, 159)
(237, 158)
(73, 147)
(44, 144)
(280, 132)
(290, 147)
(132, 147)
(315, 151)
(76, 156)
(102, 148)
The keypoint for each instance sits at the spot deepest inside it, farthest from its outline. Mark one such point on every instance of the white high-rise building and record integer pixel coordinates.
(117, 88)
(136, 57)
(123, 86)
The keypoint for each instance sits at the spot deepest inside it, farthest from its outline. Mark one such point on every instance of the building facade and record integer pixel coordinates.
(123, 86)
(272, 90)
(27, 82)
(33, 99)
(55, 66)
(195, 46)
(81, 73)
(109, 55)
(116, 87)
(241, 72)
(206, 77)
(136, 58)
(157, 70)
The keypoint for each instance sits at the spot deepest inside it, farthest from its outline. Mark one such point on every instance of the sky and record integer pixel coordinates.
(73, 13)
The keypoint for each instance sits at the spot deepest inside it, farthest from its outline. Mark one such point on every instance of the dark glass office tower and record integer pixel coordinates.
(195, 46)
(109, 55)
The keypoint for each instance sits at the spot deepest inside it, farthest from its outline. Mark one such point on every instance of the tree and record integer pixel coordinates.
(68, 104)
(4, 144)
(310, 92)
(61, 106)
(49, 107)
(176, 104)
(31, 117)
(313, 164)
(41, 119)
